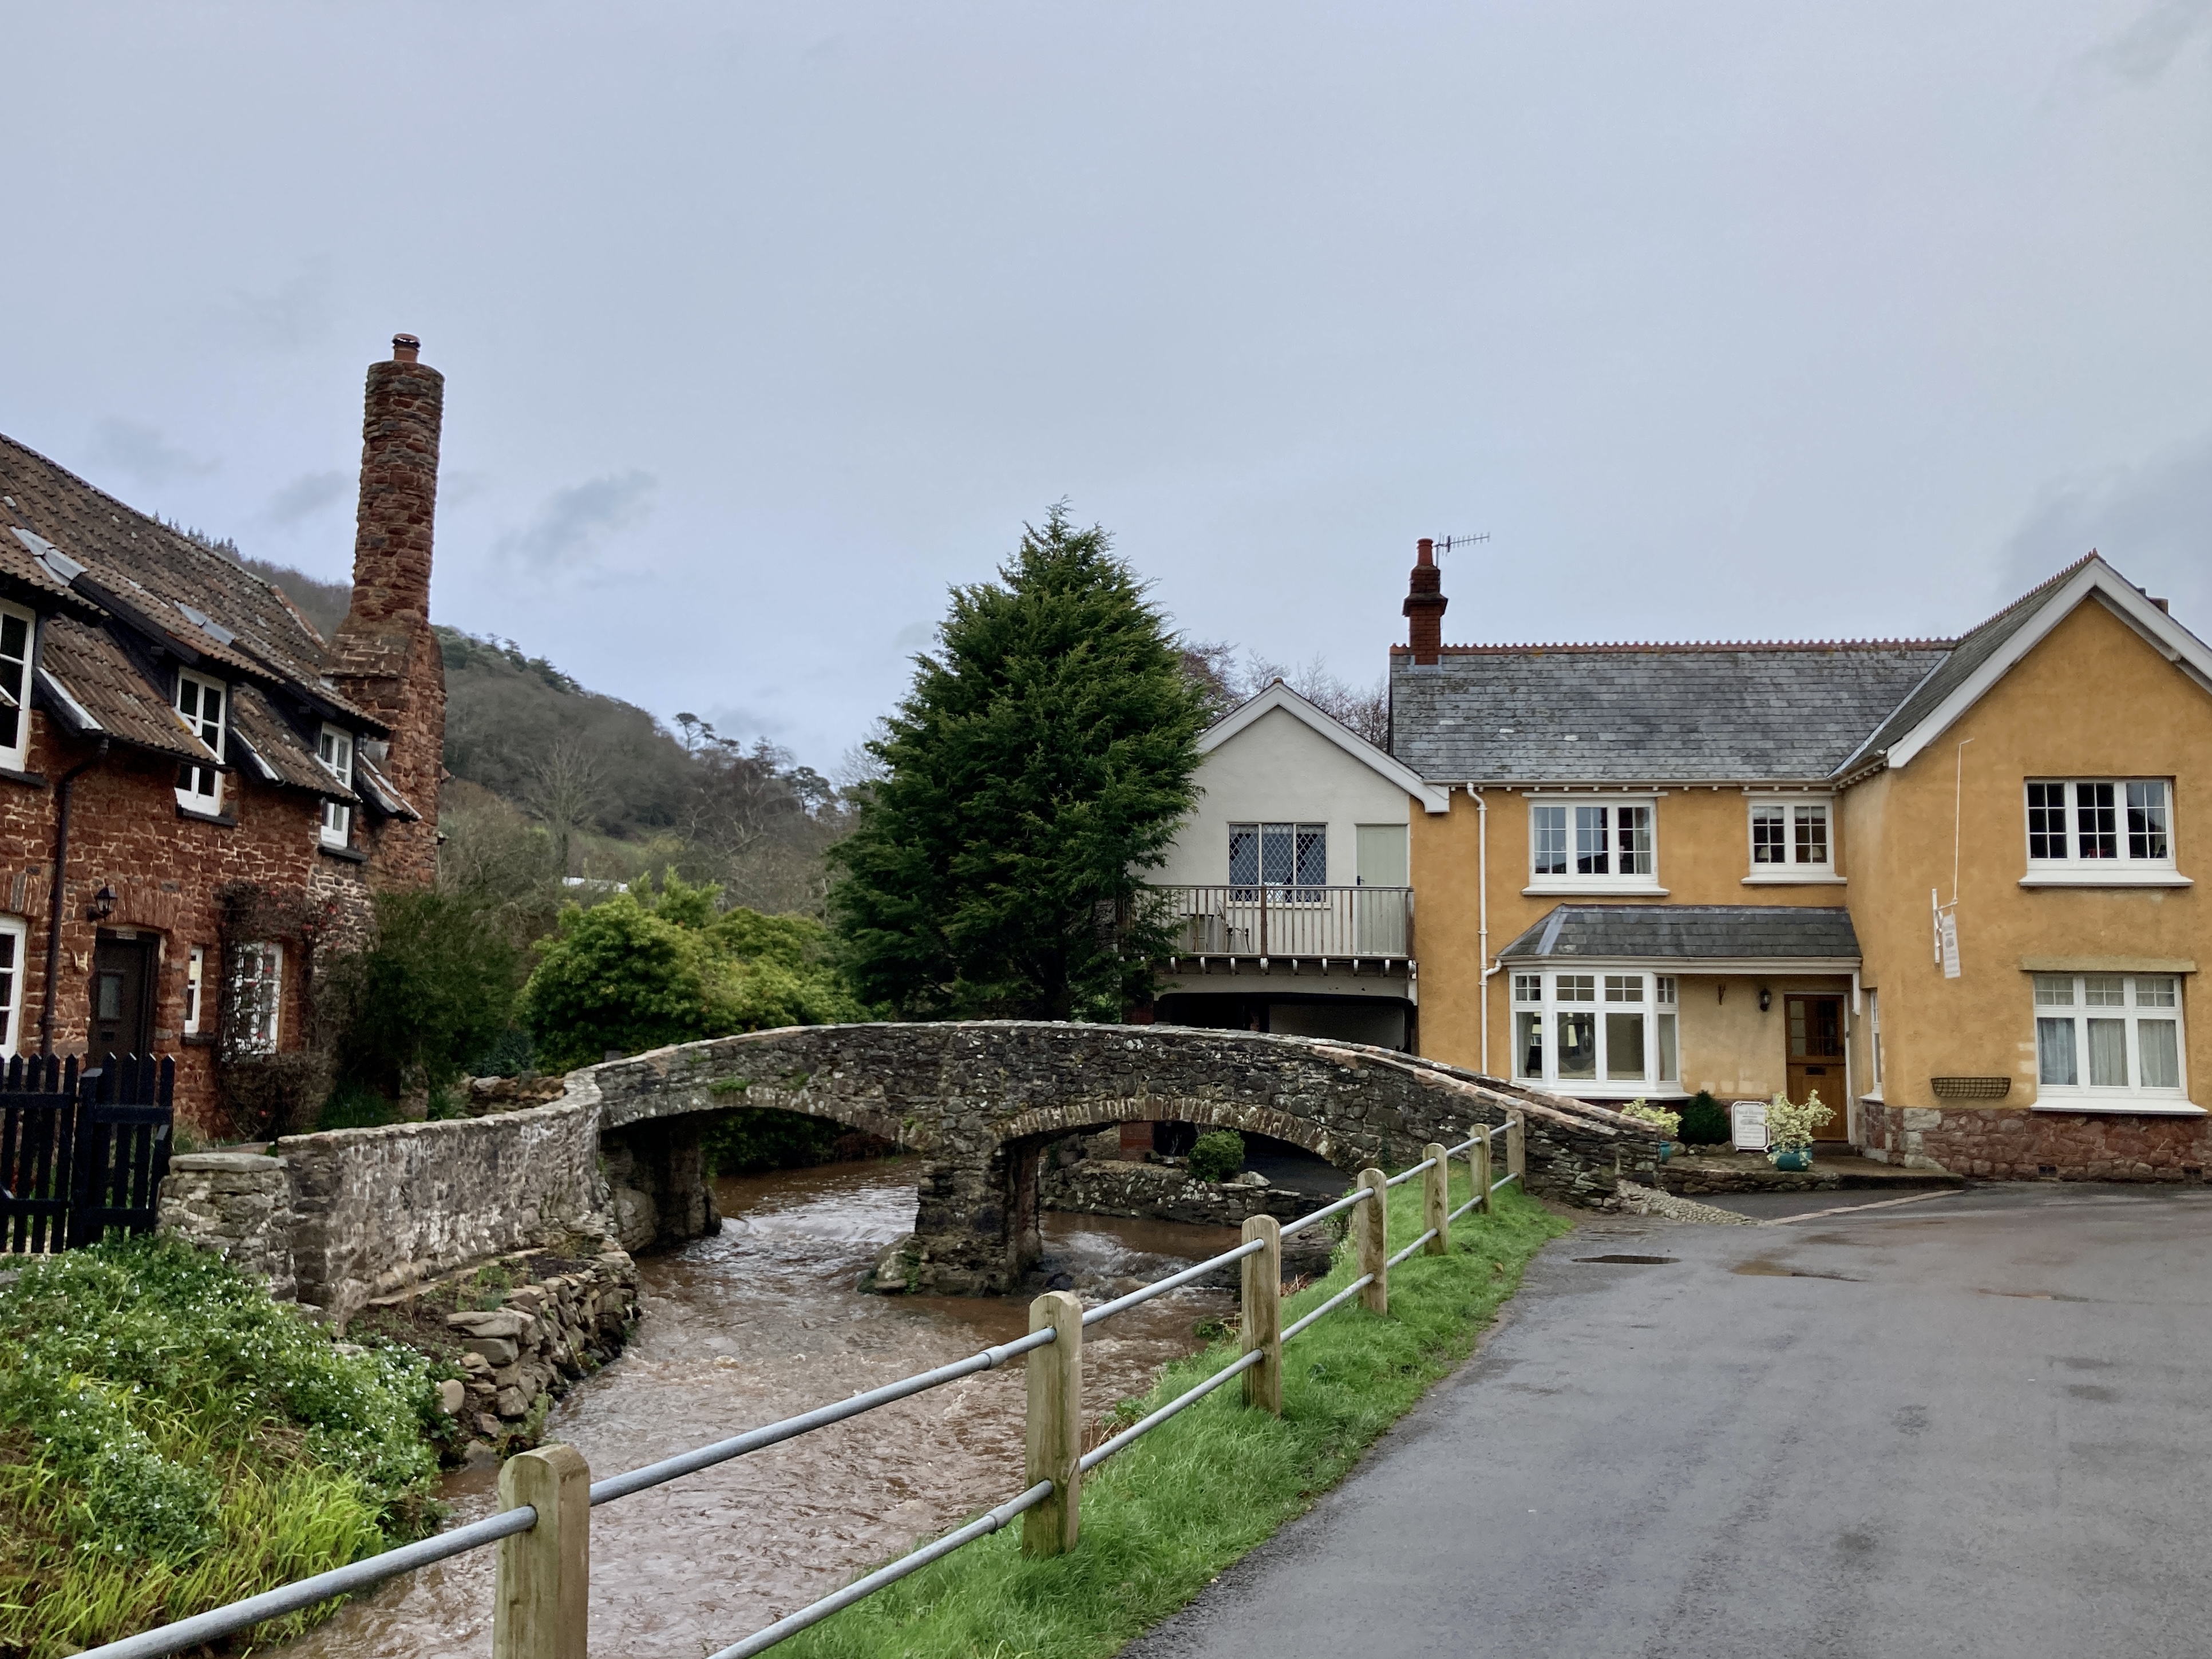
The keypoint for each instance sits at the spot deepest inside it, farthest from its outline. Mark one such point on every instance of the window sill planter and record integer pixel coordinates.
(2121, 877)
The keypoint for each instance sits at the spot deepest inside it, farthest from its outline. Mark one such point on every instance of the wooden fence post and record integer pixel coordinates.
(1516, 1149)
(1055, 1424)
(1479, 1156)
(541, 1605)
(1436, 1200)
(1371, 1225)
(1263, 1314)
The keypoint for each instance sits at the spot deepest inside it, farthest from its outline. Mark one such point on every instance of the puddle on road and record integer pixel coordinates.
(1763, 1268)
(1632, 1261)
(760, 1323)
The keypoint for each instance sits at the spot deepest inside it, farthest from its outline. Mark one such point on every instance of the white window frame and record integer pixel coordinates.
(195, 989)
(1793, 816)
(1574, 827)
(334, 750)
(17, 931)
(1873, 1043)
(15, 688)
(193, 774)
(1607, 993)
(2065, 999)
(2129, 865)
(254, 990)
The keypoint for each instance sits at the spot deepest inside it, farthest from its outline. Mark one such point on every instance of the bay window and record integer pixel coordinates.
(1611, 1034)
(2108, 1041)
(1609, 842)
(2099, 830)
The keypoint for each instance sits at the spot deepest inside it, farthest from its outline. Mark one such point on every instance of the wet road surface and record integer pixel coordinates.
(761, 1323)
(1978, 1425)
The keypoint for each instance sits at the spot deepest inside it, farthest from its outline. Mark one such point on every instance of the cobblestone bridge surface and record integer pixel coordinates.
(982, 1101)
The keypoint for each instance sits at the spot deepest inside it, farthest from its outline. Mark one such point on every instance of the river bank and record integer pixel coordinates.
(760, 1322)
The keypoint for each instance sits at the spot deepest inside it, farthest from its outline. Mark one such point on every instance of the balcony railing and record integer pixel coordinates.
(1349, 923)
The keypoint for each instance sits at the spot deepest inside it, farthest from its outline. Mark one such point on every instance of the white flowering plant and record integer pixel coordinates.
(1667, 1123)
(1791, 1126)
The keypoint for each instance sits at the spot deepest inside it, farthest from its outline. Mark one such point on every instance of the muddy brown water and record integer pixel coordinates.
(760, 1323)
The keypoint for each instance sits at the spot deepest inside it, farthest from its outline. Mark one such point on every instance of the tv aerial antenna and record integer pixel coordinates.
(1445, 543)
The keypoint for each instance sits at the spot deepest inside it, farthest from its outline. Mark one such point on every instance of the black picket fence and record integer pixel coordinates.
(81, 1151)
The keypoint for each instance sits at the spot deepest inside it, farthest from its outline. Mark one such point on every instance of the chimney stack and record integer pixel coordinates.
(386, 656)
(1424, 605)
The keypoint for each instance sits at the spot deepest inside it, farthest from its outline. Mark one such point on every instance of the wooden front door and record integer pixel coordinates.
(1816, 1059)
(122, 997)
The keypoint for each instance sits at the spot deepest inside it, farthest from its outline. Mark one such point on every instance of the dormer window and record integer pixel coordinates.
(1792, 839)
(200, 705)
(16, 625)
(335, 749)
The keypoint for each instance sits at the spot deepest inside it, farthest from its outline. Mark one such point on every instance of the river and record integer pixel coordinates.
(760, 1322)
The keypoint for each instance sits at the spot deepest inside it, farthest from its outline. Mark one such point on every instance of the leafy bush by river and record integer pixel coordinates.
(171, 1439)
(1161, 1520)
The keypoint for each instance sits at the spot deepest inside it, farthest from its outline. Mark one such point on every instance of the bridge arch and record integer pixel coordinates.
(980, 1100)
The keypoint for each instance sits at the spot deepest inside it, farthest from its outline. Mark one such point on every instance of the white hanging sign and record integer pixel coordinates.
(1950, 931)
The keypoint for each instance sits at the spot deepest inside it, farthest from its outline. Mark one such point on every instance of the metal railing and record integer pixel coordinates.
(547, 1496)
(1346, 923)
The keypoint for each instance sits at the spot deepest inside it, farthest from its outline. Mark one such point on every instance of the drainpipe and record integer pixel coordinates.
(64, 790)
(1482, 921)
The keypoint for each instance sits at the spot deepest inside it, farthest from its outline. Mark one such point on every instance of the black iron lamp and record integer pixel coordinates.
(103, 904)
(1765, 999)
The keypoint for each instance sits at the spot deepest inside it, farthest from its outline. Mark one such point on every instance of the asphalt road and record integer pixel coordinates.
(1977, 1424)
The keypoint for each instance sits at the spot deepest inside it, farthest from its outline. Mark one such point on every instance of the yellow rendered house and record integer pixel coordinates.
(1950, 885)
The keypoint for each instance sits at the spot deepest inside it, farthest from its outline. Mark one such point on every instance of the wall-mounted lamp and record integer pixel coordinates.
(1765, 999)
(103, 905)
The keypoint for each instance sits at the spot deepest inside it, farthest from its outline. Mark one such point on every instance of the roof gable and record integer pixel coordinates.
(1280, 696)
(1985, 656)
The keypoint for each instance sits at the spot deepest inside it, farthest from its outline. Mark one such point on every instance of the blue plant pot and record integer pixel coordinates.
(1801, 1158)
(1666, 1151)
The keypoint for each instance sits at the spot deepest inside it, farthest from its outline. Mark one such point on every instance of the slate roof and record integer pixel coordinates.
(116, 586)
(1718, 933)
(1649, 713)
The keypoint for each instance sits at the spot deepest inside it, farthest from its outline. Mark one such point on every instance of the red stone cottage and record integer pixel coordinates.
(198, 793)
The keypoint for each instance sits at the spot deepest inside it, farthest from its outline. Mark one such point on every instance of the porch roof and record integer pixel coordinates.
(1671, 932)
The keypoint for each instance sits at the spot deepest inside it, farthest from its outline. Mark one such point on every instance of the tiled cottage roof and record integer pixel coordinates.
(1649, 713)
(1712, 932)
(120, 587)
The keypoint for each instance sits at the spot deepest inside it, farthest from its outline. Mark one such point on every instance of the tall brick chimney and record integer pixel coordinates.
(387, 657)
(1424, 605)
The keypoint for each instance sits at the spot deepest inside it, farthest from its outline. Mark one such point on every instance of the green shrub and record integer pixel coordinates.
(638, 971)
(1704, 1122)
(1217, 1155)
(434, 990)
(172, 1439)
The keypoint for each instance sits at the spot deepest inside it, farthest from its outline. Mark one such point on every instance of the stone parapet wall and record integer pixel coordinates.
(2016, 1144)
(237, 1205)
(378, 1210)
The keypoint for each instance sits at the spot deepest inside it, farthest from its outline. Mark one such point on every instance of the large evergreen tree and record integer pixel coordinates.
(1042, 760)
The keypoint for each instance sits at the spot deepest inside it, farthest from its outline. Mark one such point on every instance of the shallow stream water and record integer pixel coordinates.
(763, 1323)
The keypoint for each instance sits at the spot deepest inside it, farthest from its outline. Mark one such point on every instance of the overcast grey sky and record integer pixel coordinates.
(761, 326)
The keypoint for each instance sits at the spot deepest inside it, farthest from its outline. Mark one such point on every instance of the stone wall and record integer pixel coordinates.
(237, 1205)
(378, 1210)
(2015, 1144)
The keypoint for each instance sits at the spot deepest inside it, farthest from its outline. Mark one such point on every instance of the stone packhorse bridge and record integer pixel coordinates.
(983, 1100)
(345, 1216)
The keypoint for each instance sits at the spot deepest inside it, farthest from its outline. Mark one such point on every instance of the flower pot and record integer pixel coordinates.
(1666, 1151)
(1792, 1158)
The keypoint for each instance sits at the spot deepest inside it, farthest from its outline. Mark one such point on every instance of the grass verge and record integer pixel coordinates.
(1163, 1518)
(171, 1439)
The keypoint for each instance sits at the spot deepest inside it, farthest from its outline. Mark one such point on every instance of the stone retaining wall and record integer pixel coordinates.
(2015, 1144)
(237, 1205)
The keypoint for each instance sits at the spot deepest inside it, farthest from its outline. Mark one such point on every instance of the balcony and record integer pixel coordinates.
(1357, 929)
